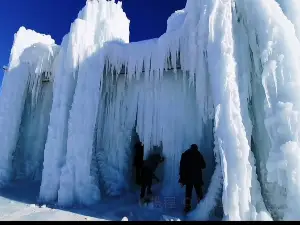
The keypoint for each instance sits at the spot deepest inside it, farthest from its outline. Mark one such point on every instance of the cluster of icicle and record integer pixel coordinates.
(31, 54)
(238, 68)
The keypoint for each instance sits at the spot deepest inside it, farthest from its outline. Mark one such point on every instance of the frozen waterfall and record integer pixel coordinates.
(225, 76)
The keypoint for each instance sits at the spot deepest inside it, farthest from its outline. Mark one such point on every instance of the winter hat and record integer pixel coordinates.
(194, 147)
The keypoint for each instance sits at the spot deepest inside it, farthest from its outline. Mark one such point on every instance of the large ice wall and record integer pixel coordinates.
(223, 76)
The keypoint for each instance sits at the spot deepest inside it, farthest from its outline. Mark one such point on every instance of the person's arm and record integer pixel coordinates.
(202, 162)
(134, 157)
(155, 177)
(142, 151)
(181, 170)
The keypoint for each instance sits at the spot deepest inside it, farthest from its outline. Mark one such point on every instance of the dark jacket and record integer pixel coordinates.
(191, 165)
(150, 165)
(139, 155)
(152, 162)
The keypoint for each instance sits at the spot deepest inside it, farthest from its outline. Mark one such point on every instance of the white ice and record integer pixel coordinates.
(31, 54)
(223, 76)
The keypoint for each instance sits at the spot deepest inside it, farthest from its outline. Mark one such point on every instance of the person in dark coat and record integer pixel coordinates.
(138, 161)
(148, 173)
(190, 174)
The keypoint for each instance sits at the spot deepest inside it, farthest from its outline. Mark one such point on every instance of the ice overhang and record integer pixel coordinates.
(152, 55)
(39, 57)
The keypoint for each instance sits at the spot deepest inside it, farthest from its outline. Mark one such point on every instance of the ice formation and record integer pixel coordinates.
(225, 76)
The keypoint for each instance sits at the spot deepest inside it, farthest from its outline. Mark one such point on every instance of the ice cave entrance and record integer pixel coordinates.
(162, 112)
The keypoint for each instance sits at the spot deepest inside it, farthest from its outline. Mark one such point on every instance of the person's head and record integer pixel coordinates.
(194, 147)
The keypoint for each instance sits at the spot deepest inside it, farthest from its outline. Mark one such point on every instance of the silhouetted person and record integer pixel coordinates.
(148, 173)
(190, 174)
(138, 161)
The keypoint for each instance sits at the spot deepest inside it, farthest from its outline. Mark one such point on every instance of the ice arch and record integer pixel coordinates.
(144, 105)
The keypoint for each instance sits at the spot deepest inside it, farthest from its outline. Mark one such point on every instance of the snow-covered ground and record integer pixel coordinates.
(18, 201)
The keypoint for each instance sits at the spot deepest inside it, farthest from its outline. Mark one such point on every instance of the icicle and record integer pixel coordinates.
(14, 90)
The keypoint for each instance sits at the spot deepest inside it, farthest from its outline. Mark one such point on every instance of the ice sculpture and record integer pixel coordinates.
(225, 76)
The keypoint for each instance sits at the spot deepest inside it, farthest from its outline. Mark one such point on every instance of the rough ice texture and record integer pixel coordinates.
(225, 76)
(66, 173)
(101, 22)
(25, 65)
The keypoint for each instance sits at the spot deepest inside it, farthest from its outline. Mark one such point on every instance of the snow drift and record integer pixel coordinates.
(225, 76)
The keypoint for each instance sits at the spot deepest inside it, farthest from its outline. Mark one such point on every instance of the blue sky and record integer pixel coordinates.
(148, 19)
